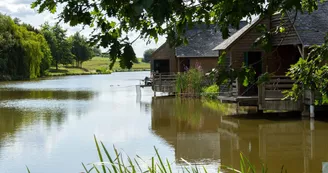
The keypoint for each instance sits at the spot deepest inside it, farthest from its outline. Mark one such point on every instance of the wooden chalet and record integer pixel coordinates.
(167, 61)
(301, 32)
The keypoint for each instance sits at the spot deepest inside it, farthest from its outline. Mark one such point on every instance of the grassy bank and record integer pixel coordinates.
(96, 65)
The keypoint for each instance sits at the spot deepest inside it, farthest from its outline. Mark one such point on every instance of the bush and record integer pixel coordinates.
(210, 91)
(190, 83)
(103, 70)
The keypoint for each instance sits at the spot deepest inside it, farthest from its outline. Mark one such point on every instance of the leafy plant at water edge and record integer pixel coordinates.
(211, 91)
(189, 83)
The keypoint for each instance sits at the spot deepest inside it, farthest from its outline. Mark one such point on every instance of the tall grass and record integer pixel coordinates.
(117, 163)
(190, 83)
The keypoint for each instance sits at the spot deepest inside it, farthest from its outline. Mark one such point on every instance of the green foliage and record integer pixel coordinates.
(147, 55)
(59, 45)
(160, 17)
(244, 74)
(311, 74)
(103, 70)
(23, 51)
(190, 83)
(81, 50)
(211, 91)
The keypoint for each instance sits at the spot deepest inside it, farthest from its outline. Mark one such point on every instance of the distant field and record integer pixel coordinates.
(96, 64)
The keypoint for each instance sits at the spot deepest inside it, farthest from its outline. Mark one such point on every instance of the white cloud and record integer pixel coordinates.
(21, 9)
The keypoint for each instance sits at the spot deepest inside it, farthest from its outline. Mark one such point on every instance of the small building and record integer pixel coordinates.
(301, 32)
(201, 40)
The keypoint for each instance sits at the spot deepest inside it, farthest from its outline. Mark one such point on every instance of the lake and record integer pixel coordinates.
(48, 125)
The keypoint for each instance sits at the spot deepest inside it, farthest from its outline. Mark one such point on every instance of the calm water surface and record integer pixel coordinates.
(48, 125)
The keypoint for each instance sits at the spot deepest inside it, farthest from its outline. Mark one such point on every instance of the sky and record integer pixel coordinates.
(21, 9)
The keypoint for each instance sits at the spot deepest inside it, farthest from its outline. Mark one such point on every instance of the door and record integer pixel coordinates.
(162, 66)
(184, 64)
(253, 59)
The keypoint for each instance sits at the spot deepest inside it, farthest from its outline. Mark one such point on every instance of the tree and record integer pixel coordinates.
(24, 54)
(96, 51)
(81, 50)
(147, 55)
(160, 17)
(58, 43)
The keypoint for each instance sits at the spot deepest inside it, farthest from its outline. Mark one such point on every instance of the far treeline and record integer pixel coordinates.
(27, 52)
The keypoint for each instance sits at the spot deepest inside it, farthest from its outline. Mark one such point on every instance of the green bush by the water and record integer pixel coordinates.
(211, 91)
(189, 83)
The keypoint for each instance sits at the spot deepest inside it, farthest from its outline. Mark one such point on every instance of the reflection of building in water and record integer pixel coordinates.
(288, 144)
(198, 134)
(188, 127)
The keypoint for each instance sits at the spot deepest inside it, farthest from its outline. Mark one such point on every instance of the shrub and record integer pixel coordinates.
(210, 91)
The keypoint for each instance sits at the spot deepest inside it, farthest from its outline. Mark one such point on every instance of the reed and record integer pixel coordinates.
(117, 163)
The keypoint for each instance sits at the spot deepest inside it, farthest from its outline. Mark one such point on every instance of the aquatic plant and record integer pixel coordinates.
(190, 83)
(118, 164)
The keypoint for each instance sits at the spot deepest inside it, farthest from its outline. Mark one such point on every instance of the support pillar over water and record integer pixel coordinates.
(305, 112)
(311, 111)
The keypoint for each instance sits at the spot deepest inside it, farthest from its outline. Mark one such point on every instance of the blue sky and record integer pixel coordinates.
(21, 9)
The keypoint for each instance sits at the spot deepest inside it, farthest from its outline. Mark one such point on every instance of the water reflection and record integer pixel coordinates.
(189, 127)
(14, 94)
(202, 135)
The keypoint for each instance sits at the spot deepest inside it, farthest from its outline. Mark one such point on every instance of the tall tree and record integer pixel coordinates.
(58, 43)
(81, 50)
(152, 18)
(23, 53)
(147, 55)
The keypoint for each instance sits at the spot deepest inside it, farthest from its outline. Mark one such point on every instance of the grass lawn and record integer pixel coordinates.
(98, 62)
(93, 66)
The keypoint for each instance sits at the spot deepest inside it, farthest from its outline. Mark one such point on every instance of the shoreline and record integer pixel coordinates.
(72, 74)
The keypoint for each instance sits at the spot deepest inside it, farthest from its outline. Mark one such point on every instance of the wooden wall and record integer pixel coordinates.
(165, 52)
(207, 63)
(289, 36)
(245, 44)
(282, 58)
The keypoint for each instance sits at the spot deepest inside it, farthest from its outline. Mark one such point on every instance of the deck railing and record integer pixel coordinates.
(270, 94)
(164, 82)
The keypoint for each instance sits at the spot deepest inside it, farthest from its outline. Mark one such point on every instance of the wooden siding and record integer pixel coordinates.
(207, 63)
(281, 59)
(289, 37)
(165, 52)
(245, 44)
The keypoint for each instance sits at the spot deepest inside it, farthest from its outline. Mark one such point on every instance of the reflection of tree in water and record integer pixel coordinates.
(45, 94)
(15, 119)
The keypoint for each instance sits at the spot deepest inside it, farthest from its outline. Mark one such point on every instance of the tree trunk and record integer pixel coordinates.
(56, 65)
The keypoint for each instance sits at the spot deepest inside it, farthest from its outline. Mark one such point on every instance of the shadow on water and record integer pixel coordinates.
(203, 135)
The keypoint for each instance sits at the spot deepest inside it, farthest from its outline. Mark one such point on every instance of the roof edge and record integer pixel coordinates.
(243, 34)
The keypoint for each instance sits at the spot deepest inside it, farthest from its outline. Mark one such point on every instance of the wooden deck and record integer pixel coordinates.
(270, 94)
(164, 82)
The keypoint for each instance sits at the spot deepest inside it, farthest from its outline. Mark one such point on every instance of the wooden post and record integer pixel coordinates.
(312, 106)
(261, 96)
(160, 80)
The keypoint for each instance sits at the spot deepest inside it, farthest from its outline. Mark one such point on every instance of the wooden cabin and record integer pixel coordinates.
(301, 32)
(167, 61)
